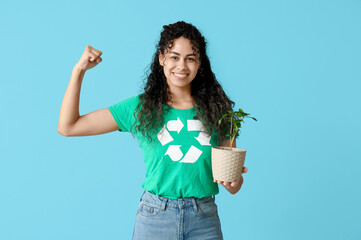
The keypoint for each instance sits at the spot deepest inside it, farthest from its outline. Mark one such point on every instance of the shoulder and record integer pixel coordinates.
(130, 100)
(133, 98)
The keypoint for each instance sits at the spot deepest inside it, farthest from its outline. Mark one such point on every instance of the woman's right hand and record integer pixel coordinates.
(89, 59)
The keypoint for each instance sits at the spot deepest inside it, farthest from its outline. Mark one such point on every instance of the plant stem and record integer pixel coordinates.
(230, 148)
(230, 145)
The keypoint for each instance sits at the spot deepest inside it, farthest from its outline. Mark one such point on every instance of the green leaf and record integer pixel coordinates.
(220, 120)
(235, 118)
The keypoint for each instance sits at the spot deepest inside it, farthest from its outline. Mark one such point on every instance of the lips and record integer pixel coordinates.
(180, 76)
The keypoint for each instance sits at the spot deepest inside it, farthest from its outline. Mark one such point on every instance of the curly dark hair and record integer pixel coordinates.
(210, 101)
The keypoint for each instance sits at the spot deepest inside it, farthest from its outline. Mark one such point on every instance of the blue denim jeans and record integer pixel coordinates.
(160, 218)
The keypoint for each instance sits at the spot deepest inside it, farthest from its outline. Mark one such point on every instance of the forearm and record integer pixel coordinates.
(69, 111)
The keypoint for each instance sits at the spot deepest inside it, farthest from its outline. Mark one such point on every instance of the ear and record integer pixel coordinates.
(161, 58)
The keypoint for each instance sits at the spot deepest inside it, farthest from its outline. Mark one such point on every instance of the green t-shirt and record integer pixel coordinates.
(178, 164)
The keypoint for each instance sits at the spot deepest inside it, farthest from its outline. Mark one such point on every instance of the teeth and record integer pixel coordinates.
(180, 75)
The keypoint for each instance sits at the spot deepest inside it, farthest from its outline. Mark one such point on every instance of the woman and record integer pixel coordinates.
(175, 121)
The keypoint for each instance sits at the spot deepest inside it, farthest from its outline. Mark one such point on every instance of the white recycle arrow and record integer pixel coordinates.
(203, 138)
(174, 152)
(195, 125)
(175, 125)
(192, 155)
(164, 136)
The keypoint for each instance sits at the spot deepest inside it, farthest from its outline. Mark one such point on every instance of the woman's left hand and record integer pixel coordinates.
(233, 184)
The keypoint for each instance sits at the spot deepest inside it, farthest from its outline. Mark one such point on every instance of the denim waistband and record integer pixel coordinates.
(179, 203)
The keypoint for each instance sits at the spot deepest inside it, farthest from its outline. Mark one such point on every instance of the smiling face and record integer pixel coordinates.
(179, 63)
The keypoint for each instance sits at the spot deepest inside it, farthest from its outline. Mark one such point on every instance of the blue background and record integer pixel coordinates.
(294, 65)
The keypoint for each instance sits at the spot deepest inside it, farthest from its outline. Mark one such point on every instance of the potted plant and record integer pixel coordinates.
(228, 162)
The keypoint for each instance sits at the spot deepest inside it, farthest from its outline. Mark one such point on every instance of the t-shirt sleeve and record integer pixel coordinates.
(123, 112)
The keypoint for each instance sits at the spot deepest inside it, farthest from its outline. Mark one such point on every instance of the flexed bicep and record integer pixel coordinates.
(94, 123)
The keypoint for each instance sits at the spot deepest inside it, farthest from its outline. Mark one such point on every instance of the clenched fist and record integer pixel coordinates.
(89, 59)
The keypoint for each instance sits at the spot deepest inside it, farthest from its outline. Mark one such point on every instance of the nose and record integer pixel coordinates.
(181, 64)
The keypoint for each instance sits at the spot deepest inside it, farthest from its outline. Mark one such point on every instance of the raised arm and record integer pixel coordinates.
(97, 122)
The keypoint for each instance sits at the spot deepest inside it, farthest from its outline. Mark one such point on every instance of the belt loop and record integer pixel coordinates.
(164, 203)
(194, 204)
(141, 196)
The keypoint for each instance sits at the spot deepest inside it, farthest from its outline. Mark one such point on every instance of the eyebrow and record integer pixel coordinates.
(191, 54)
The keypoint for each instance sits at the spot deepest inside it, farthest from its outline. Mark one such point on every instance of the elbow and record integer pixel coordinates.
(63, 132)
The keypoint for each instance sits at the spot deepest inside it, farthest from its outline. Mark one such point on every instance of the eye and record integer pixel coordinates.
(191, 59)
(173, 57)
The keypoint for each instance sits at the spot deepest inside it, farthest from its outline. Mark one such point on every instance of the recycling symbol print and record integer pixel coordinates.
(174, 151)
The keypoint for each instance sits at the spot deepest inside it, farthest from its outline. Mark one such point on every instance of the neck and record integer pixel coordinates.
(181, 95)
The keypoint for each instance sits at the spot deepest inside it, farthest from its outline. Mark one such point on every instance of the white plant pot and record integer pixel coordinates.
(227, 165)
